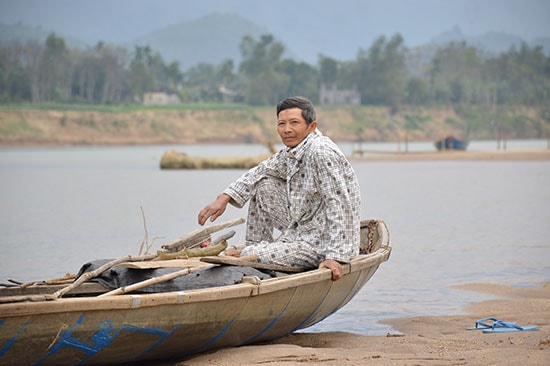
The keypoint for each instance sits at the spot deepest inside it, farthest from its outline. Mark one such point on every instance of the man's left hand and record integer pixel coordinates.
(335, 267)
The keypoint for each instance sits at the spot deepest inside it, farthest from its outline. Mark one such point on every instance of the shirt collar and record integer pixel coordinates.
(299, 150)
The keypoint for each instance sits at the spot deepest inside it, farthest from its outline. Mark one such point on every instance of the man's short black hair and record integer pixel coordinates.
(308, 112)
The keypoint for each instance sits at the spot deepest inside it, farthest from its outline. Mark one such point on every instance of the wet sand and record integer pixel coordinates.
(441, 340)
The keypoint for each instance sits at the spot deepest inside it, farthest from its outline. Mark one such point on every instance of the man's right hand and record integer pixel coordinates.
(233, 252)
(214, 209)
(334, 266)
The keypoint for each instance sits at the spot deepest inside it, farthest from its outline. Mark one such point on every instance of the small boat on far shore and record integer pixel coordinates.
(451, 143)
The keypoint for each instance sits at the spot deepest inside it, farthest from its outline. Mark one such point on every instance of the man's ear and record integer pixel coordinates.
(312, 126)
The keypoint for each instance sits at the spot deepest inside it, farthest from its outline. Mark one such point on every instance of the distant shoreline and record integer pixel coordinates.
(448, 155)
(502, 155)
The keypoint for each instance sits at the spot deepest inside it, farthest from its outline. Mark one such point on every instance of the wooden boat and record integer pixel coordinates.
(451, 143)
(172, 326)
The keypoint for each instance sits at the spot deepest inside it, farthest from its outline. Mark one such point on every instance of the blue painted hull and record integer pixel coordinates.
(175, 325)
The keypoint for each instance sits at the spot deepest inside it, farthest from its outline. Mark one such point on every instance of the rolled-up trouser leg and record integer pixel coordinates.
(296, 254)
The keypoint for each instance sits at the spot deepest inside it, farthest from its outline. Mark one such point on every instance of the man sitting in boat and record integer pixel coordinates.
(308, 191)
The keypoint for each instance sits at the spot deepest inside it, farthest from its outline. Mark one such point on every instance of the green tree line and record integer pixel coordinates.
(386, 74)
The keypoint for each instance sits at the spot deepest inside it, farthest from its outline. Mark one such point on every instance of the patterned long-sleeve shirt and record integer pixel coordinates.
(323, 195)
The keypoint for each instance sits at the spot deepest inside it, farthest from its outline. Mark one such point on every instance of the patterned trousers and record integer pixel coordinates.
(269, 211)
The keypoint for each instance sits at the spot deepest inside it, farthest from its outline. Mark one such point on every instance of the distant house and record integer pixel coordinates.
(161, 98)
(331, 95)
(230, 95)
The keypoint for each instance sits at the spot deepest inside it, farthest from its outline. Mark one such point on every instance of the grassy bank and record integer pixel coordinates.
(64, 124)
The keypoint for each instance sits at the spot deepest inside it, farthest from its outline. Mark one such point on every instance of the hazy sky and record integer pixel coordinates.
(417, 20)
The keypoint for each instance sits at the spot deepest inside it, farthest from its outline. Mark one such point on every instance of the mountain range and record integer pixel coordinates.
(216, 37)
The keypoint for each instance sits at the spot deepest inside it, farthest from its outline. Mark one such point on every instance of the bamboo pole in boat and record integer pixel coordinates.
(80, 280)
(152, 281)
(86, 276)
(217, 246)
(191, 238)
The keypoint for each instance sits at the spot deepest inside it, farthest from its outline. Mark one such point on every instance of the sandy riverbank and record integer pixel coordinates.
(497, 155)
(442, 340)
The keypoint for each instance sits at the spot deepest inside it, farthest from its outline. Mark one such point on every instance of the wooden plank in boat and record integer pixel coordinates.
(171, 263)
(234, 261)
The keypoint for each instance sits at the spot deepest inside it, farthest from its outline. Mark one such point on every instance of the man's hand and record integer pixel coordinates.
(215, 209)
(233, 252)
(335, 267)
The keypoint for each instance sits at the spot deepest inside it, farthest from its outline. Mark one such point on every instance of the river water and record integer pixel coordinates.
(451, 222)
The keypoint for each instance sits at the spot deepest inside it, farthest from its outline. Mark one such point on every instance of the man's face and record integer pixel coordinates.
(292, 127)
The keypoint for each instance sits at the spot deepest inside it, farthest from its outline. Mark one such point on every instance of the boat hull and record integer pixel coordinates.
(451, 143)
(176, 325)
